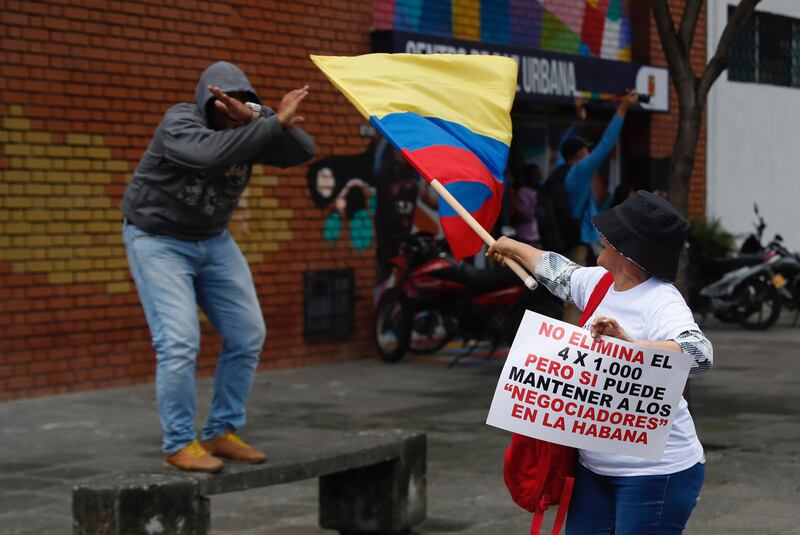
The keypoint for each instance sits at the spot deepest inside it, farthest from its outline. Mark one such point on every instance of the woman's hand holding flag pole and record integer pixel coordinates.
(487, 238)
(449, 115)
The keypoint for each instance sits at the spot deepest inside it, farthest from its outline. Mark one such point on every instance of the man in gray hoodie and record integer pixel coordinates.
(177, 209)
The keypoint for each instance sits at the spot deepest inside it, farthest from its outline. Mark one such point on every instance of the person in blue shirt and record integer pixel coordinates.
(573, 151)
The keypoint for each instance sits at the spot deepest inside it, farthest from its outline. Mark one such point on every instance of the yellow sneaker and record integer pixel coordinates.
(194, 458)
(232, 447)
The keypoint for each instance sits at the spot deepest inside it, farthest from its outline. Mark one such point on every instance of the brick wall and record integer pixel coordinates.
(83, 89)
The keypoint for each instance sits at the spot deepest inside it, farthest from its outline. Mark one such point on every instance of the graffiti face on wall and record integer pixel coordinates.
(341, 186)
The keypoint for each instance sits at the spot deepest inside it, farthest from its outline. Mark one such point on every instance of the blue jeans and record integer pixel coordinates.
(172, 277)
(652, 505)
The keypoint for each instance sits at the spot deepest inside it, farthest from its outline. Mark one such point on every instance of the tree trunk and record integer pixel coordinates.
(680, 173)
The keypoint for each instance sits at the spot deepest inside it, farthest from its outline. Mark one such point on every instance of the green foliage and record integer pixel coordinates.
(708, 239)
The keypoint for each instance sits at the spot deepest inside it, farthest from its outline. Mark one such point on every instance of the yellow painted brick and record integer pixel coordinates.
(5, 241)
(16, 123)
(118, 287)
(57, 175)
(15, 255)
(98, 178)
(58, 202)
(119, 275)
(38, 215)
(16, 228)
(283, 235)
(17, 202)
(38, 254)
(118, 262)
(15, 162)
(79, 215)
(39, 240)
(78, 164)
(58, 151)
(283, 214)
(271, 247)
(37, 150)
(18, 150)
(38, 189)
(98, 252)
(97, 202)
(16, 137)
(3, 136)
(98, 276)
(111, 214)
(15, 175)
(100, 153)
(98, 264)
(80, 276)
(19, 267)
(15, 110)
(40, 266)
(79, 264)
(78, 139)
(41, 138)
(80, 189)
(59, 252)
(37, 163)
(78, 239)
(60, 278)
(98, 140)
(116, 165)
(97, 227)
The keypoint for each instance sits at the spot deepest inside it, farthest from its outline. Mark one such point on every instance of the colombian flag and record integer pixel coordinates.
(449, 116)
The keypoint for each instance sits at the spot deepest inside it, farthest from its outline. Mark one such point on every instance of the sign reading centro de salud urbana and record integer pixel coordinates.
(561, 385)
(548, 76)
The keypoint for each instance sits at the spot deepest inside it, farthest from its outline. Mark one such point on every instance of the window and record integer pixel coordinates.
(766, 50)
(328, 303)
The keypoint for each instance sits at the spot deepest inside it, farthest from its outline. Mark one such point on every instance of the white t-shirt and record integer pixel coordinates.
(652, 310)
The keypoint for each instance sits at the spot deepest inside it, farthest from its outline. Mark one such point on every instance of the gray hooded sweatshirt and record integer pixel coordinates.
(191, 176)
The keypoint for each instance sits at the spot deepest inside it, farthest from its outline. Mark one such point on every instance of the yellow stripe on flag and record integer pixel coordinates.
(472, 90)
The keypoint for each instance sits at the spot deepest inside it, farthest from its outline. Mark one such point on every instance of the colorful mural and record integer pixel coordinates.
(595, 28)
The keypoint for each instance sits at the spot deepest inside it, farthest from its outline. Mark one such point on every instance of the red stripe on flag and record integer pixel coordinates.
(450, 164)
(464, 242)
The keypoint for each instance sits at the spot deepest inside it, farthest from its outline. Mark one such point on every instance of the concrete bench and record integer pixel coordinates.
(370, 482)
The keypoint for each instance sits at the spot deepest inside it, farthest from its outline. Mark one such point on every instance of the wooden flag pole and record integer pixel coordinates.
(527, 278)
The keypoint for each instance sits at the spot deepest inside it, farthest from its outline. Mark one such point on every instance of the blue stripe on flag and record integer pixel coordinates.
(408, 130)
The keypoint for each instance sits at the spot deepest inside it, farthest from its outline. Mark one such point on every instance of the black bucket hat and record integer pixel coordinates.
(647, 230)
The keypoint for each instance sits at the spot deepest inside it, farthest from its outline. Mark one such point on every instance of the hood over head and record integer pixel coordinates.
(227, 77)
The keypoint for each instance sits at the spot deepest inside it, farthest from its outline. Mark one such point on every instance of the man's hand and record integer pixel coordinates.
(580, 108)
(287, 109)
(235, 109)
(631, 98)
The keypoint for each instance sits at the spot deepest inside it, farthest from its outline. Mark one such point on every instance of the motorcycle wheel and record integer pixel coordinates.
(430, 331)
(392, 325)
(758, 305)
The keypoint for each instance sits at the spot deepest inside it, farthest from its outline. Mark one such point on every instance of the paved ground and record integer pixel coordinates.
(746, 410)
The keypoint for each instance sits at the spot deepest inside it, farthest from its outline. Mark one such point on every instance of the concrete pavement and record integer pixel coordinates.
(746, 411)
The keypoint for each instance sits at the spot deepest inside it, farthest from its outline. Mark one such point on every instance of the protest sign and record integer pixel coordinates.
(561, 385)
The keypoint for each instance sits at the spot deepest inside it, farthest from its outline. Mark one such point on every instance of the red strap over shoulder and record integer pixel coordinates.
(598, 294)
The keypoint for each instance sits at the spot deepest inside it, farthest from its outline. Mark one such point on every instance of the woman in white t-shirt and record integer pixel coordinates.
(642, 239)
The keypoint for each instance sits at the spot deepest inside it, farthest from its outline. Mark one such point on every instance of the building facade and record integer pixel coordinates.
(84, 88)
(752, 117)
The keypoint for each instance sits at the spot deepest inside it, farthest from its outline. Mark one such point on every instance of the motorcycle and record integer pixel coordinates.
(435, 299)
(753, 286)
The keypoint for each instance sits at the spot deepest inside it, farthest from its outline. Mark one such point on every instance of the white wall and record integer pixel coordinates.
(753, 144)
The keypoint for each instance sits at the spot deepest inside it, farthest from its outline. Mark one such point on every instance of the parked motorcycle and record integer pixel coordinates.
(435, 298)
(751, 288)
